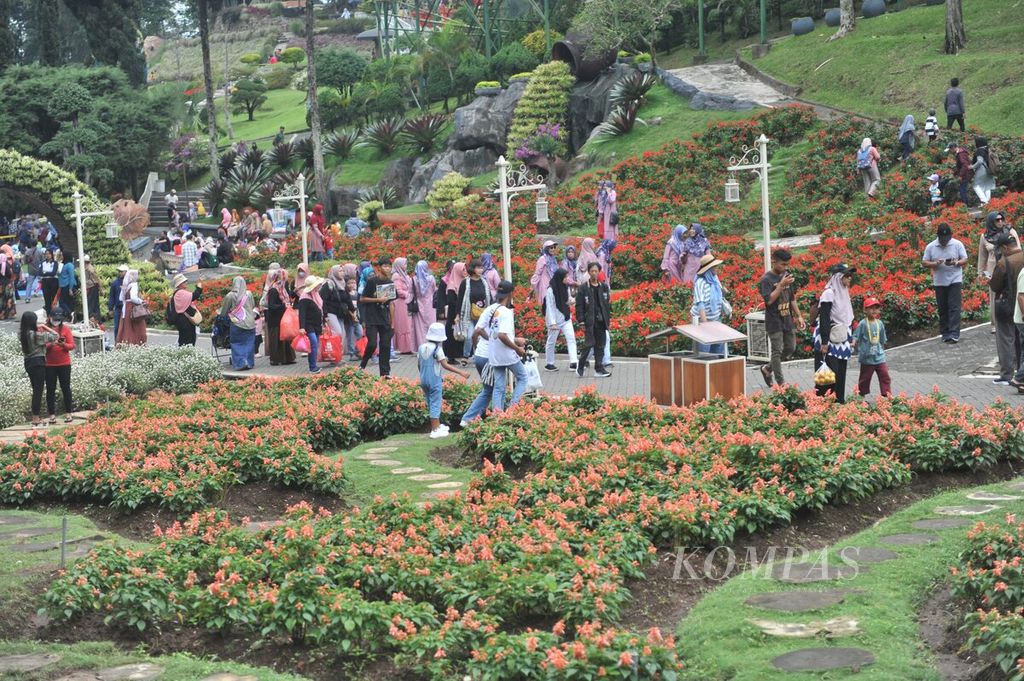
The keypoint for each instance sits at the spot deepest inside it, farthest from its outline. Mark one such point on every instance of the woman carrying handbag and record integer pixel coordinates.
(135, 314)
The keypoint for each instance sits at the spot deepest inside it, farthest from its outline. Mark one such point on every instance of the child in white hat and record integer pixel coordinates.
(431, 360)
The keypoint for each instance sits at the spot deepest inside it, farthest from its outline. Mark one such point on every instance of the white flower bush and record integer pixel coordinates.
(107, 376)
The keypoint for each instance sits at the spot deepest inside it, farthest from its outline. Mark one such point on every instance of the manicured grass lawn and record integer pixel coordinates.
(285, 107)
(893, 65)
(405, 210)
(719, 642)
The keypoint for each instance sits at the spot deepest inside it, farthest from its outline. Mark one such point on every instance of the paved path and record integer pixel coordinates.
(729, 80)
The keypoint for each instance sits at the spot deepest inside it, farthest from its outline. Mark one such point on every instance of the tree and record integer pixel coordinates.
(248, 95)
(314, 107)
(112, 29)
(46, 18)
(956, 36)
(614, 23)
(204, 8)
(340, 69)
(8, 41)
(847, 19)
(294, 55)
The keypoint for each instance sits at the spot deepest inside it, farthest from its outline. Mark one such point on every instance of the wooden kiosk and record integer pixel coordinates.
(686, 377)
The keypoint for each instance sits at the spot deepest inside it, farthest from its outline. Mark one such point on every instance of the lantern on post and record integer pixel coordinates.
(732, 190)
(542, 208)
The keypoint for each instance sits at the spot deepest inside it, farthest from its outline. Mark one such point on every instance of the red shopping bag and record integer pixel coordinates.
(361, 346)
(301, 343)
(289, 325)
(330, 347)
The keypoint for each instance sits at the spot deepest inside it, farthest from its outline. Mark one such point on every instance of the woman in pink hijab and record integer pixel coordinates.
(424, 286)
(587, 256)
(453, 349)
(547, 263)
(402, 321)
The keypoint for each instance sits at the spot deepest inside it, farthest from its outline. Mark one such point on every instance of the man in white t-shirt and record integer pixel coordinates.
(1018, 319)
(495, 331)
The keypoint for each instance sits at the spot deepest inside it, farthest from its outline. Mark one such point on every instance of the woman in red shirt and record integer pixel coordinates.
(58, 366)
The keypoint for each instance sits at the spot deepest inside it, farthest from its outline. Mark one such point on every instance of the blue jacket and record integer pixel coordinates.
(67, 278)
(114, 299)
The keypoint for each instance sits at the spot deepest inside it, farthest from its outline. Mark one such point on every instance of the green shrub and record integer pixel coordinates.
(446, 192)
(293, 56)
(251, 58)
(545, 101)
(512, 58)
(643, 58)
(278, 77)
(339, 68)
(335, 107)
(537, 43)
(488, 84)
(276, 9)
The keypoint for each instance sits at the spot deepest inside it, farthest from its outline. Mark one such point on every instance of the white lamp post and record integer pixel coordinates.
(297, 192)
(112, 232)
(521, 181)
(754, 159)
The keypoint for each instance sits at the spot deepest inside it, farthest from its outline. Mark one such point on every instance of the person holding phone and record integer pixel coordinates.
(782, 317)
(946, 258)
(58, 365)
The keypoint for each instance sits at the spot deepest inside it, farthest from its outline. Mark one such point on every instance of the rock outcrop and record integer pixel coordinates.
(589, 105)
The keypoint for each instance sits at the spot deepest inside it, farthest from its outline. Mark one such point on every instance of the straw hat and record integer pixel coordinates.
(707, 261)
(312, 282)
(178, 280)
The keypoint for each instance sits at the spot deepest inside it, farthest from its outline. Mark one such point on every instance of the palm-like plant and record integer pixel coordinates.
(626, 97)
(281, 155)
(244, 183)
(252, 157)
(422, 134)
(215, 192)
(384, 193)
(384, 135)
(304, 150)
(227, 161)
(342, 144)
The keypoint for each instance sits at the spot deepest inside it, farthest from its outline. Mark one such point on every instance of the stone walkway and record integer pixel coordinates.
(852, 562)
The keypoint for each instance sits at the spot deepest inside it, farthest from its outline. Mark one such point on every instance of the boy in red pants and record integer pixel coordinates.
(869, 340)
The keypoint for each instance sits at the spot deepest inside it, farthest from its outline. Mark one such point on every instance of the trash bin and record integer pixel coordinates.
(802, 25)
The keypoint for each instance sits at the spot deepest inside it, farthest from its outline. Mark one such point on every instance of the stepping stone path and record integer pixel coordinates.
(381, 450)
(131, 672)
(405, 471)
(26, 663)
(806, 573)
(454, 484)
(941, 523)
(867, 554)
(384, 462)
(226, 676)
(909, 539)
(27, 533)
(12, 520)
(393, 455)
(1017, 486)
(823, 659)
(840, 626)
(989, 496)
(799, 601)
(965, 510)
(372, 457)
(427, 477)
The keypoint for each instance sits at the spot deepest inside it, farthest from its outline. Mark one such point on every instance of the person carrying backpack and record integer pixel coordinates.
(181, 312)
(867, 166)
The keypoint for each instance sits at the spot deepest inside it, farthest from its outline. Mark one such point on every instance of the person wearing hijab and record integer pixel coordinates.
(453, 348)
(240, 310)
(474, 297)
(301, 272)
(225, 219)
(835, 319)
(268, 225)
(34, 338)
(132, 330)
(587, 256)
(311, 318)
(558, 319)
(8, 286)
(995, 225)
(867, 165)
(984, 180)
(402, 322)
(333, 293)
(707, 300)
(672, 260)
(425, 286)
(695, 247)
(569, 263)
(68, 282)
(606, 200)
(317, 227)
(92, 290)
(907, 137)
(278, 300)
(547, 263)
(184, 309)
(491, 275)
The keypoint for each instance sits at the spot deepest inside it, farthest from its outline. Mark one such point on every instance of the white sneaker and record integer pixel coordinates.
(444, 427)
(438, 433)
(463, 424)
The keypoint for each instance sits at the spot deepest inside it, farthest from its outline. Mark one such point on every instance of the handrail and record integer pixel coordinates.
(147, 193)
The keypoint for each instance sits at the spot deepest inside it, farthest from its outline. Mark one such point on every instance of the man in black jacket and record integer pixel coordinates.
(594, 311)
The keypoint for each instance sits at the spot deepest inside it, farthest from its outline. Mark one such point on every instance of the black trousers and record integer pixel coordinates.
(949, 300)
(50, 288)
(384, 334)
(37, 377)
(959, 119)
(186, 334)
(600, 337)
(62, 374)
